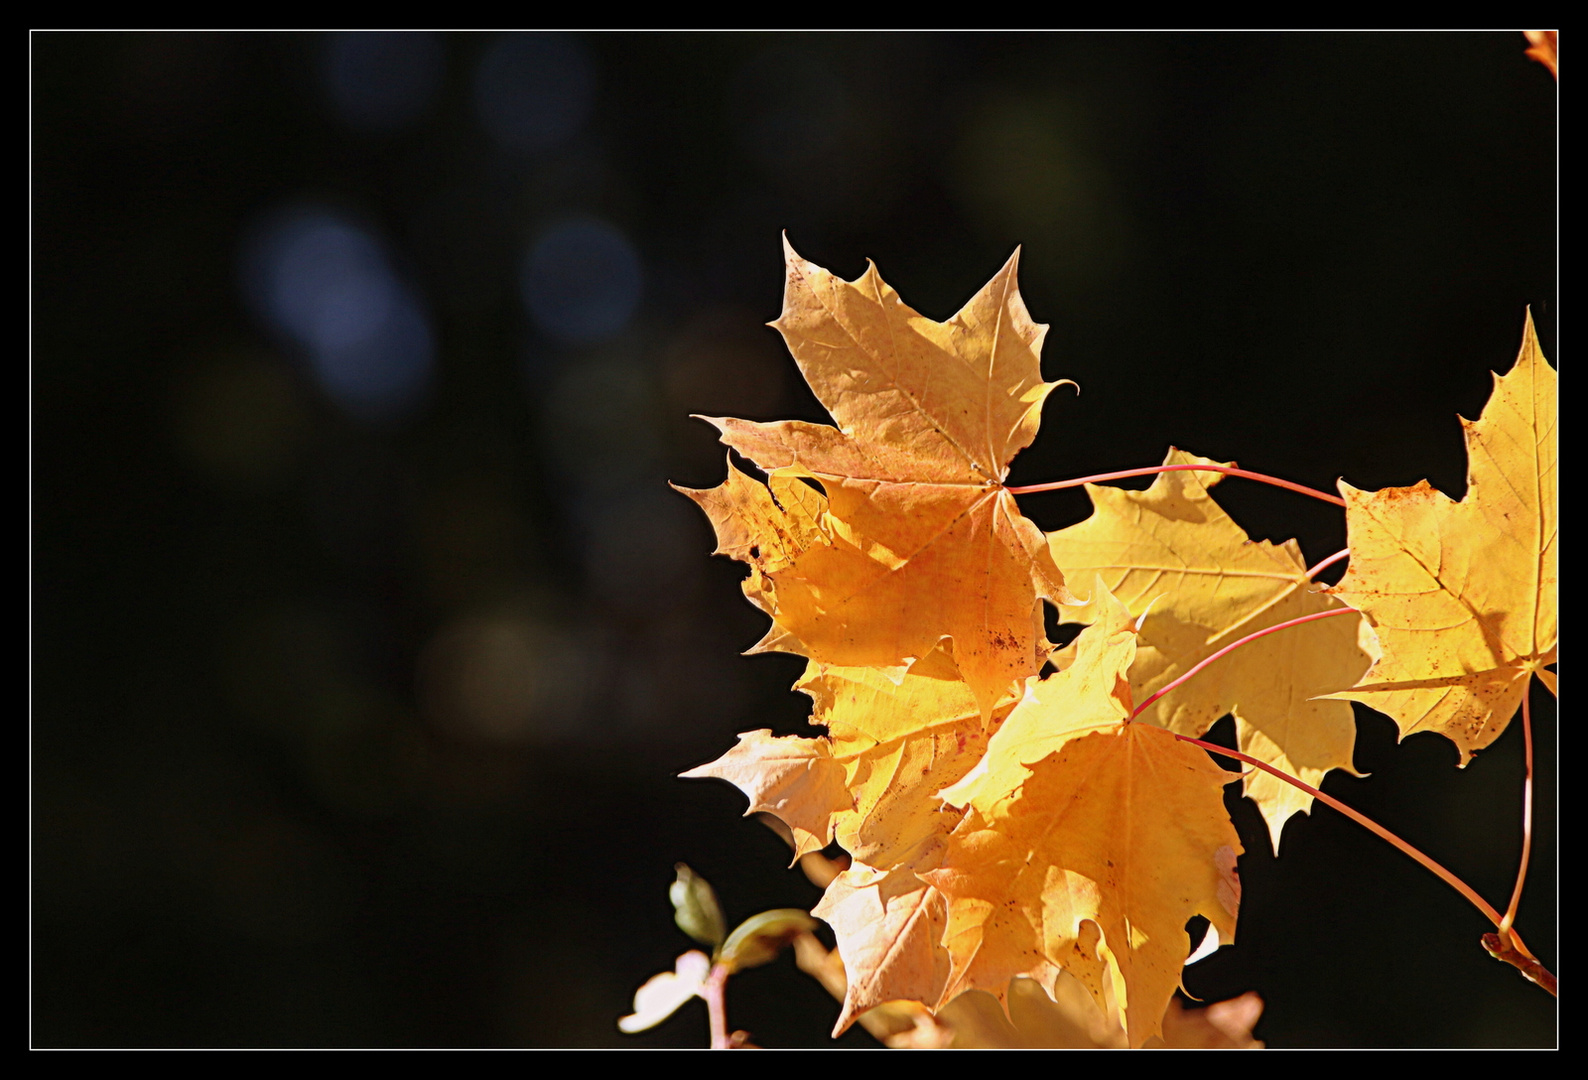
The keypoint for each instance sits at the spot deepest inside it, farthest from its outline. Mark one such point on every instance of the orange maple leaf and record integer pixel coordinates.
(872, 784)
(1088, 843)
(1064, 1016)
(1541, 46)
(916, 539)
(1031, 838)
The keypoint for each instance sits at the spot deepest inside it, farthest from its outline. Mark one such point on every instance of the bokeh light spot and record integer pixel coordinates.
(240, 419)
(582, 281)
(381, 81)
(501, 677)
(327, 285)
(787, 108)
(534, 91)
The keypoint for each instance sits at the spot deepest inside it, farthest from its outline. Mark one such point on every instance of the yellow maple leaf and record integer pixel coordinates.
(872, 782)
(900, 743)
(917, 539)
(792, 778)
(872, 785)
(1068, 1018)
(889, 928)
(1091, 694)
(1088, 843)
(1064, 1016)
(1459, 597)
(1172, 553)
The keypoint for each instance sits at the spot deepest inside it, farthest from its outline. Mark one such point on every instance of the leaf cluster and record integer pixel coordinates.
(1020, 812)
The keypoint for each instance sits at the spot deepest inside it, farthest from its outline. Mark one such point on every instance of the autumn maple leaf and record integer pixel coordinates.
(1088, 843)
(872, 784)
(889, 927)
(1011, 835)
(1459, 597)
(914, 538)
(1061, 1016)
(1171, 553)
(1542, 46)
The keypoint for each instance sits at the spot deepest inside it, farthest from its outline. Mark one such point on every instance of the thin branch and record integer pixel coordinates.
(1511, 950)
(1326, 563)
(1228, 470)
(1236, 645)
(1506, 952)
(1527, 814)
(711, 991)
(1361, 819)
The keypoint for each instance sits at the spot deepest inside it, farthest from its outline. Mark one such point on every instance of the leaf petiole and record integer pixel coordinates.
(1228, 470)
(716, 1011)
(1507, 945)
(1527, 820)
(1236, 645)
(1518, 955)
(1326, 563)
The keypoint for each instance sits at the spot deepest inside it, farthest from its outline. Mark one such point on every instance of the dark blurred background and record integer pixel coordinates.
(367, 636)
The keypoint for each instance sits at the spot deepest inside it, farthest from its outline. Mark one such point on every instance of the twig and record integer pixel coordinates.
(1228, 470)
(1326, 563)
(1501, 949)
(1512, 951)
(1527, 816)
(711, 991)
(1236, 645)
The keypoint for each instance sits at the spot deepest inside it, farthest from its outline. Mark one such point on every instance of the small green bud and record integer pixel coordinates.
(695, 908)
(761, 937)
